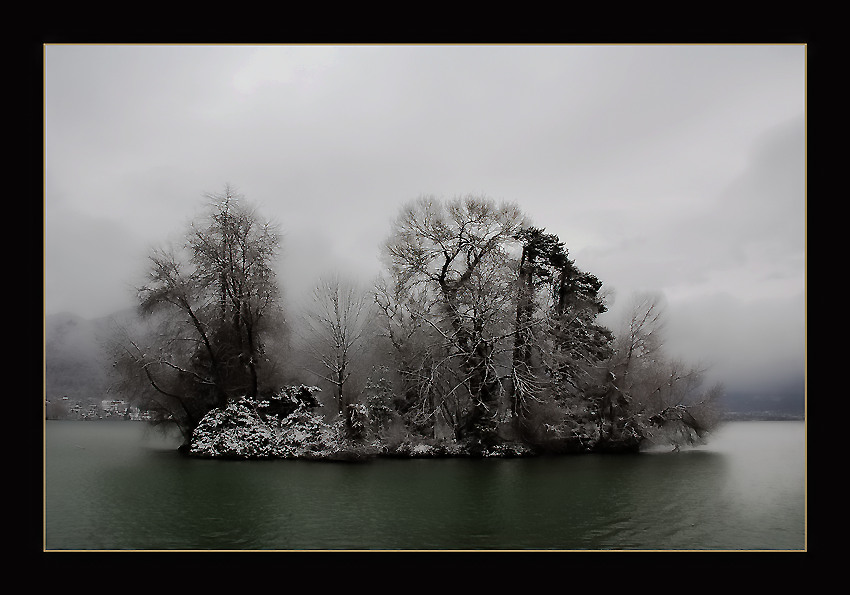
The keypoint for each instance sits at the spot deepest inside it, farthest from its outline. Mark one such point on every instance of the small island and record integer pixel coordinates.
(483, 338)
(287, 426)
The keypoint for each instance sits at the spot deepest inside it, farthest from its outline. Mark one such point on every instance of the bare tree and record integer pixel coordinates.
(232, 252)
(336, 322)
(652, 395)
(209, 305)
(428, 378)
(456, 260)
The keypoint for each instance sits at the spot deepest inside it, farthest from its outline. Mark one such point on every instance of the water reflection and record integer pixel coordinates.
(104, 491)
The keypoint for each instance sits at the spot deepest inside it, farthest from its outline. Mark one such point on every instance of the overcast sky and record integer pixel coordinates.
(677, 169)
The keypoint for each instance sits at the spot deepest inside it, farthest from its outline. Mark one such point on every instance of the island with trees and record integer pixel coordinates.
(480, 338)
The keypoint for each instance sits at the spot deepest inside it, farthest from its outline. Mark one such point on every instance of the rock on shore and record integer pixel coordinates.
(247, 429)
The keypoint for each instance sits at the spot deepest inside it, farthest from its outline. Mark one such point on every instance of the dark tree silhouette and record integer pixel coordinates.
(209, 306)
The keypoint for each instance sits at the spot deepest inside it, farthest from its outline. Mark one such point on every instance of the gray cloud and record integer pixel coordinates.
(667, 168)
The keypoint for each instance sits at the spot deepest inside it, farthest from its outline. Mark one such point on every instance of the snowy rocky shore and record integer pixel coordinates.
(290, 427)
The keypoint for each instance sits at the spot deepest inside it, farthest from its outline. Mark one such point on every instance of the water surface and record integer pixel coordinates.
(111, 486)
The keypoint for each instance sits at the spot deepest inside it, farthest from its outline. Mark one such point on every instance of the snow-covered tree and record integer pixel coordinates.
(452, 272)
(558, 344)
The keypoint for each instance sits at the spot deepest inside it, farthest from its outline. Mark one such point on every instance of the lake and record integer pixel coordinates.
(116, 486)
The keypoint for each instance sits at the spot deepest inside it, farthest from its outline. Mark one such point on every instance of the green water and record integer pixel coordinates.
(110, 486)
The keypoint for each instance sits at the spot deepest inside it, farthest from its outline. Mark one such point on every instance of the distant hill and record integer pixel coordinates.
(783, 402)
(76, 364)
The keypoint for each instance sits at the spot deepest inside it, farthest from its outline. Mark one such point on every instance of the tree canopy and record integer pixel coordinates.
(484, 339)
(495, 332)
(210, 304)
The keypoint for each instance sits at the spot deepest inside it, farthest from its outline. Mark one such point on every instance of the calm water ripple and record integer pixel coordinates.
(111, 486)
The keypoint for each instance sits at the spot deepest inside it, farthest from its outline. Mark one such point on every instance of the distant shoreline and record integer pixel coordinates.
(762, 416)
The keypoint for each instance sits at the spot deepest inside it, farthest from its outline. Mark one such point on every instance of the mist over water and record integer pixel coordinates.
(111, 486)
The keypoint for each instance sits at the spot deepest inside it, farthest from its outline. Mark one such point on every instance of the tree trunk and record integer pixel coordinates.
(522, 350)
(252, 361)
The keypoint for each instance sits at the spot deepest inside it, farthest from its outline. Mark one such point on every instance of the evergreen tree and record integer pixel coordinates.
(558, 344)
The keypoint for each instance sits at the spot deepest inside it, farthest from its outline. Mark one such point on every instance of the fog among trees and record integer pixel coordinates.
(479, 337)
